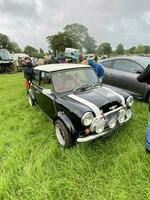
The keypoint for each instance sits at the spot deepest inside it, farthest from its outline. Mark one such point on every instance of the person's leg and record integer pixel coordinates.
(27, 84)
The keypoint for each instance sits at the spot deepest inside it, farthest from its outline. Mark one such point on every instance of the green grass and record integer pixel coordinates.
(34, 166)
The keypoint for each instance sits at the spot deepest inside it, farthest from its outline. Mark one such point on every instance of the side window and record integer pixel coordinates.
(35, 78)
(45, 80)
(127, 65)
(107, 64)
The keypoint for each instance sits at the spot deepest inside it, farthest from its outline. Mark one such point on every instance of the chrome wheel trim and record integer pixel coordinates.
(60, 134)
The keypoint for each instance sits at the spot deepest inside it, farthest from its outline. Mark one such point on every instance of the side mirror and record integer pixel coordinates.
(47, 91)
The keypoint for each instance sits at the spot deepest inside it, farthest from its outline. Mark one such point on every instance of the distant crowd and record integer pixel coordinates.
(60, 58)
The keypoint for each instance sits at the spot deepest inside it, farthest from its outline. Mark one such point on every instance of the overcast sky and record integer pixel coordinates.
(29, 22)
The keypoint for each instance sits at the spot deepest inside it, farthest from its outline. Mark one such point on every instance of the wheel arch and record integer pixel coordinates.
(65, 119)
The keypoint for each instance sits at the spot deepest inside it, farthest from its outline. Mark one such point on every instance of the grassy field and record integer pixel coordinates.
(34, 166)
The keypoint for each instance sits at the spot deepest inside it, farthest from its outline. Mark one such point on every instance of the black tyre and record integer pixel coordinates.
(62, 134)
(30, 99)
(147, 98)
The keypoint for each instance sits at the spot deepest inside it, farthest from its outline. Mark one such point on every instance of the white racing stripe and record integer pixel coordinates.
(119, 95)
(87, 103)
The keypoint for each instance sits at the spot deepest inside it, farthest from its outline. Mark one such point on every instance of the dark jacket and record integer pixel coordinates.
(28, 71)
(97, 67)
(144, 77)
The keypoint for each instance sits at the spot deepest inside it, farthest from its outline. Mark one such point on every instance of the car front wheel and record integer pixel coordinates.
(62, 134)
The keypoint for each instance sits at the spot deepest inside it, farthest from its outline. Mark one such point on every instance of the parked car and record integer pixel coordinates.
(122, 72)
(6, 62)
(81, 109)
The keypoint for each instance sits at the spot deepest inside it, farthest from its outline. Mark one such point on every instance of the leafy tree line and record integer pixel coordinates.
(74, 36)
(77, 36)
(13, 47)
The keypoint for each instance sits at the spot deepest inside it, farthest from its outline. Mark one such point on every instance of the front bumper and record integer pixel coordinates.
(106, 131)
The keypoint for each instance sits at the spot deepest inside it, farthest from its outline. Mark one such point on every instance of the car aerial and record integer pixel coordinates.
(80, 108)
(122, 72)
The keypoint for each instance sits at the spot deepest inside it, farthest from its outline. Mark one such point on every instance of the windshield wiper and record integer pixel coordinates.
(96, 84)
(82, 88)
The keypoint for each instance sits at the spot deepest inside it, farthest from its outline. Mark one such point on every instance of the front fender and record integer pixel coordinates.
(68, 124)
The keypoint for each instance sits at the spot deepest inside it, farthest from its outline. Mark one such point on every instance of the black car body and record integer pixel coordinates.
(81, 109)
(122, 72)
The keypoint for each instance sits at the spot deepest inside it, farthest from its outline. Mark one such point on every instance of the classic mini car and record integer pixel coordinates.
(71, 95)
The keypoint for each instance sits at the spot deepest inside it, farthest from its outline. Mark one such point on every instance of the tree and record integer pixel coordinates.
(140, 49)
(89, 44)
(60, 41)
(41, 53)
(104, 48)
(132, 50)
(15, 47)
(78, 33)
(5, 43)
(31, 51)
(120, 49)
(146, 49)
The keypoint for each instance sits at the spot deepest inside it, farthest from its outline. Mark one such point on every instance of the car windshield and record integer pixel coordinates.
(74, 79)
(5, 55)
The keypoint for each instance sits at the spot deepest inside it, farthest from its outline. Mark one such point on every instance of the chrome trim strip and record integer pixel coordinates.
(119, 95)
(87, 103)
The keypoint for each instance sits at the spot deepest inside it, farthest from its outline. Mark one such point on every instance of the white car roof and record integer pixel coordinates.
(57, 67)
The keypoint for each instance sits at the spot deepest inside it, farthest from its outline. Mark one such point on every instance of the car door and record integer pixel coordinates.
(108, 79)
(124, 75)
(46, 101)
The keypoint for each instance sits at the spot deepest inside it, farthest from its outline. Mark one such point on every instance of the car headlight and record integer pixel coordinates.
(87, 119)
(121, 116)
(112, 122)
(98, 125)
(130, 101)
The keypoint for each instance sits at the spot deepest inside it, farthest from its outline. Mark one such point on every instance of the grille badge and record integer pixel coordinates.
(113, 107)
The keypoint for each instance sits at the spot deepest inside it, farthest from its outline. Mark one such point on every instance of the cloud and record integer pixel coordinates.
(116, 21)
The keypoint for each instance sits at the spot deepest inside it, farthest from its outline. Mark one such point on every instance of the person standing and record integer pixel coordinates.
(144, 77)
(97, 67)
(28, 71)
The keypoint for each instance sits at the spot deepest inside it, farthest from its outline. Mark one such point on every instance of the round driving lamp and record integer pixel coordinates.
(98, 125)
(130, 101)
(112, 122)
(87, 119)
(129, 114)
(121, 117)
